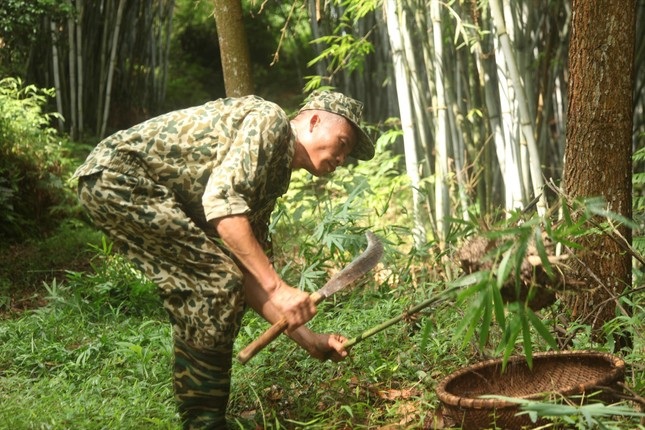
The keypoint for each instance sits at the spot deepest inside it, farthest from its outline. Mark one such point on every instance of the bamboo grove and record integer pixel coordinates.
(107, 60)
(481, 91)
(477, 89)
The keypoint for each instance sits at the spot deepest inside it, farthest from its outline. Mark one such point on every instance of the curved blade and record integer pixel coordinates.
(354, 270)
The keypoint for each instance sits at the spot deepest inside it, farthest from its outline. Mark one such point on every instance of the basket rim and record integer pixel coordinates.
(618, 368)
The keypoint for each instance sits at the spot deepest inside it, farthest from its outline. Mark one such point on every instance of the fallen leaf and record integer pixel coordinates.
(394, 394)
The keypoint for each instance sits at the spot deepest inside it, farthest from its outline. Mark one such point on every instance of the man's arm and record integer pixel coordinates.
(270, 296)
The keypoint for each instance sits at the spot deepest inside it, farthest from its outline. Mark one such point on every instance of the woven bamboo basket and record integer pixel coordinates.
(565, 374)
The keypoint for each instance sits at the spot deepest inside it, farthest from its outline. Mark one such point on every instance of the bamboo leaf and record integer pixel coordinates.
(487, 317)
(498, 302)
(504, 269)
(526, 337)
(519, 255)
(470, 279)
(542, 330)
(508, 343)
(425, 335)
(469, 292)
(566, 212)
(604, 212)
(470, 321)
(539, 244)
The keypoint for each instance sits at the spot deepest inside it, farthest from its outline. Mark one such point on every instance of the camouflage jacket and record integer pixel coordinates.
(227, 157)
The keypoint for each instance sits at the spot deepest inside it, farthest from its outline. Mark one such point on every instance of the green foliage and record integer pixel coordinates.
(194, 73)
(25, 267)
(68, 366)
(343, 50)
(324, 219)
(112, 284)
(34, 163)
(511, 241)
(278, 37)
(585, 416)
(20, 21)
(103, 332)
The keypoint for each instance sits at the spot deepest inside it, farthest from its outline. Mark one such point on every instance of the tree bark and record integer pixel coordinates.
(598, 143)
(234, 48)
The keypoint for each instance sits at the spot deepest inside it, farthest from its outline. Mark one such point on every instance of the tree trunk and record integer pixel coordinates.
(599, 138)
(71, 56)
(234, 48)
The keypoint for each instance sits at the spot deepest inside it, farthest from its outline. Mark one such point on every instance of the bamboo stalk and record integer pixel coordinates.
(56, 72)
(103, 52)
(405, 111)
(526, 122)
(111, 66)
(508, 149)
(166, 52)
(442, 197)
(444, 295)
(79, 65)
(71, 57)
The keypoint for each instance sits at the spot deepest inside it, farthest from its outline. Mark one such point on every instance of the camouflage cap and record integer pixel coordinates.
(350, 109)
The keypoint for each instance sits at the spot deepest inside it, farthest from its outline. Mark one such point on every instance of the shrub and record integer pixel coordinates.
(33, 163)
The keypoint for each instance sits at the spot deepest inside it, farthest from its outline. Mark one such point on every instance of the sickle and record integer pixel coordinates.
(357, 268)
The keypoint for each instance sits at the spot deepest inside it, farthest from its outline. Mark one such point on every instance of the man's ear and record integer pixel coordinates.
(314, 121)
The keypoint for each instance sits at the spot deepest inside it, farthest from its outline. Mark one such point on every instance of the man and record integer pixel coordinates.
(189, 194)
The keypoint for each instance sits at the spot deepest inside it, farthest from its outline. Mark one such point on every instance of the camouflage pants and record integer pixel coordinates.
(200, 285)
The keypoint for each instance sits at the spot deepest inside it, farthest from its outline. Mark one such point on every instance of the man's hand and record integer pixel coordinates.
(328, 347)
(293, 304)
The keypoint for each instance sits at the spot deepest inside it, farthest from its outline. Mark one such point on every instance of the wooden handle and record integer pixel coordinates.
(269, 335)
(256, 346)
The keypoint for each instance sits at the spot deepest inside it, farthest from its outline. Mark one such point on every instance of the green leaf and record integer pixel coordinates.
(566, 213)
(425, 335)
(510, 336)
(504, 269)
(498, 301)
(602, 211)
(542, 330)
(487, 317)
(539, 244)
(526, 338)
(473, 278)
(470, 321)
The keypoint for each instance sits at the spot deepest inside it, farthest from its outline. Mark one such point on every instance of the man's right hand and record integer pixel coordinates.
(293, 304)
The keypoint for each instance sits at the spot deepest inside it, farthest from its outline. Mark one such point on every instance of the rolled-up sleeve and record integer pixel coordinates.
(233, 183)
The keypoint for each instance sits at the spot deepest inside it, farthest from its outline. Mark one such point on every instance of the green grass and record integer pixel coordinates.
(65, 366)
(90, 361)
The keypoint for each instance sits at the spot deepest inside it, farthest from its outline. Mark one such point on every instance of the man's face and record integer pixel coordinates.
(330, 140)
